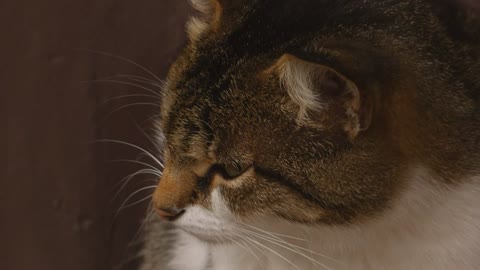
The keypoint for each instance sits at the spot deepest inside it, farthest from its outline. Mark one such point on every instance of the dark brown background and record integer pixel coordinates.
(56, 183)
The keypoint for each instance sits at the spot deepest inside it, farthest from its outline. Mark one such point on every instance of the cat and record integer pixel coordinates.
(321, 134)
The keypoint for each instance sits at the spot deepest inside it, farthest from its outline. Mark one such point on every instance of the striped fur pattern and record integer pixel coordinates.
(321, 134)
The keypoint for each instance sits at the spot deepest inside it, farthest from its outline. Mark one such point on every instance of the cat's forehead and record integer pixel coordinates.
(262, 23)
(224, 48)
(214, 85)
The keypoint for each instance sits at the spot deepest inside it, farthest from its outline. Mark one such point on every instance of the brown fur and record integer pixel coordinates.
(418, 104)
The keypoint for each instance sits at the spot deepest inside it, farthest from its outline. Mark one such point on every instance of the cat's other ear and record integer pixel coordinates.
(216, 6)
(213, 15)
(323, 95)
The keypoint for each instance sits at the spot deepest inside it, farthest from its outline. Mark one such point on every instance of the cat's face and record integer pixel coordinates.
(268, 114)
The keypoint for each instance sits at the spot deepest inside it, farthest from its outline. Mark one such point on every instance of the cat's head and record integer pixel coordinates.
(298, 110)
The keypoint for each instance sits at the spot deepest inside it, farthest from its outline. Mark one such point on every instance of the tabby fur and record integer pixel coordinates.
(357, 125)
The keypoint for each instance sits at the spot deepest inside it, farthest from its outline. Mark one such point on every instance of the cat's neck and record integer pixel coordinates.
(430, 227)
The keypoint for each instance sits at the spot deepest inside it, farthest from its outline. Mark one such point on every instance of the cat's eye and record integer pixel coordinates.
(234, 169)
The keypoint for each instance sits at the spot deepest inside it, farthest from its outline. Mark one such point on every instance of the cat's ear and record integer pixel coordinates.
(212, 13)
(204, 6)
(318, 90)
(216, 6)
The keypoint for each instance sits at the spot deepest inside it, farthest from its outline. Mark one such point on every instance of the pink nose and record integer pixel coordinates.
(169, 214)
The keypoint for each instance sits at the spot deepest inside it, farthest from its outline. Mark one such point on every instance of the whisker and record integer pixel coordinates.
(156, 95)
(131, 195)
(154, 116)
(138, 162)
(125, 60)
(139, 79)
(272, 233)
(149, 171)
(274, 252)
(154, 143)
(220, 238)
(129, 177)
(244, 246)
(287, 248)
(137, 202)
(131, 105)
(272, 237)
(136, 147)
(246, 242)
(126, 96)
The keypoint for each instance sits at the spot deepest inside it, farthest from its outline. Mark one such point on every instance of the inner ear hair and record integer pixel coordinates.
(315, 87)
(216, 6)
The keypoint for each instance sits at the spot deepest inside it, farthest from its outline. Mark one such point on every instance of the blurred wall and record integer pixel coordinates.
(56, 183)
